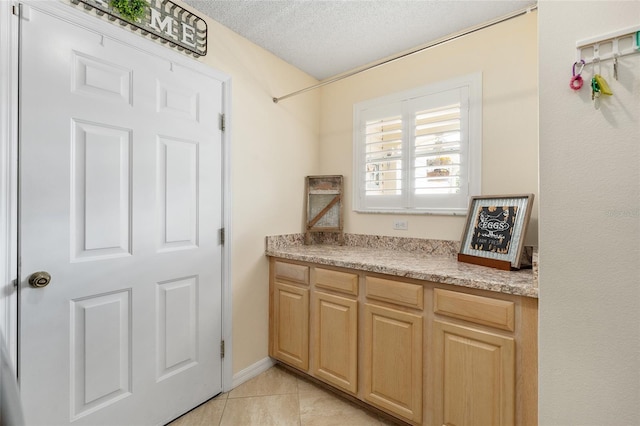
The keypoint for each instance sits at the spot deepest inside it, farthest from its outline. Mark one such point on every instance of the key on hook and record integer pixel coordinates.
(595, 89)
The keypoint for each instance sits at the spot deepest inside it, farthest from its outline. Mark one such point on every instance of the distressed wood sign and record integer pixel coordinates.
(162, 20)
(324, 206)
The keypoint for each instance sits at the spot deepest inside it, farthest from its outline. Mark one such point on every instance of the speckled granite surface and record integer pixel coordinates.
(422, 259)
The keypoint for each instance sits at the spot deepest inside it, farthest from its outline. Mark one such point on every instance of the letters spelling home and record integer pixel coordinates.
(167, 20)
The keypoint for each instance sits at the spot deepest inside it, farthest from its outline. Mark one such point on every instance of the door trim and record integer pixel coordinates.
(8, 178)
(9, 161)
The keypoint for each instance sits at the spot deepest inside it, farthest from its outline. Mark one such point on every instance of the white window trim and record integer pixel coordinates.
(472, 83)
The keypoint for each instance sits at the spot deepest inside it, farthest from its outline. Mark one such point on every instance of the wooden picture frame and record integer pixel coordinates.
(323, 206)
(495, 229)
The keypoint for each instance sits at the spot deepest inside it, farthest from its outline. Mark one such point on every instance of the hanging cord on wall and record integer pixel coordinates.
(413, 52)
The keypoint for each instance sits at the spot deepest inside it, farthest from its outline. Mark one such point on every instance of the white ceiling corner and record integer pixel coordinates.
(325, 38)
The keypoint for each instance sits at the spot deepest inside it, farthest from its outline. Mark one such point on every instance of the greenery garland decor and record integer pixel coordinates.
(132, 10)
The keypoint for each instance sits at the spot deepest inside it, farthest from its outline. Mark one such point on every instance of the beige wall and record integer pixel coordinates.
(506, 54)
(589, 333)
(273, 147)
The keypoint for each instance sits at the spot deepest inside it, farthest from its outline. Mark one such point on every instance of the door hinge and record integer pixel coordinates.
(22, 11)
(222, 123)
(221, 236)
(222, 349)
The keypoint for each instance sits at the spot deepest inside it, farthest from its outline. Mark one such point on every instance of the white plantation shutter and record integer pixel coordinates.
(440, 146)
(383, 156)
(437, 150)
(419, 151)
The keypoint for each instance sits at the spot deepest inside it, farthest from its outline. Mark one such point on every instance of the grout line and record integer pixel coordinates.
(223, 409)
(299, 410)
(263, 395)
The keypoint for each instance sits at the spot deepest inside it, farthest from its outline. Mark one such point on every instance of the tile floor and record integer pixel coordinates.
(278, 397)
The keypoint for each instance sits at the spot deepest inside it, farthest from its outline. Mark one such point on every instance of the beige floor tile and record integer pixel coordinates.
(274, 381)
(224, 395)
(207, 414)
(306, 385)
(279, 398)
(388, 422)
(319, 407)
(273, 410)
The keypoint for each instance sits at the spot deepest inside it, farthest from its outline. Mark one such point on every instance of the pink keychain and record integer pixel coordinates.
(576, 81)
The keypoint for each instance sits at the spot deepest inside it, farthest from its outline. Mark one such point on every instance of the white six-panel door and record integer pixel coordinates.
(120, 202)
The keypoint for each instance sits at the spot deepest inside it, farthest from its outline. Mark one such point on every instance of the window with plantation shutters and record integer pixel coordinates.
(419, 151)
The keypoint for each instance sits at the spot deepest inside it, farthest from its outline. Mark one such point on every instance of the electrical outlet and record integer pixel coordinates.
(400, 224)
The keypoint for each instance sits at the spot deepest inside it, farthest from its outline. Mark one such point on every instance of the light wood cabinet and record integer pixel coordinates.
(484, 358)
(482, 310)
(291, 325)
(393, 346)
(289, 314)
(395, 292)
(474, 367)
(336, 340)
(335, 328)
(393, 361)
(474, 376)
(423, 352)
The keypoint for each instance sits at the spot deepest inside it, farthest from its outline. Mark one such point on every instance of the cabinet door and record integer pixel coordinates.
(474, 376)
(393, 361)
(291, 325)
(336, 340)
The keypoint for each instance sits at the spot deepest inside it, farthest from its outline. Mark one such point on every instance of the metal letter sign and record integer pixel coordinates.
(164, 21)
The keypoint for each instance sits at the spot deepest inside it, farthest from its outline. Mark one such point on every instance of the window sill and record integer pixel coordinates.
(427, 212)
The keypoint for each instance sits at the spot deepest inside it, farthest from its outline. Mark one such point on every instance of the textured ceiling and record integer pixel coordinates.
(328, 37)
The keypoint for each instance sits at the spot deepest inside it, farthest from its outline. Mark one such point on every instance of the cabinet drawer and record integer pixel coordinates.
(343, 282)
(397, 292)
(478, 309)
(291, 272)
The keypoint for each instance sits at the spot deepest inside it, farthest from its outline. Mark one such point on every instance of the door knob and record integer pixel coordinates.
(40, 279)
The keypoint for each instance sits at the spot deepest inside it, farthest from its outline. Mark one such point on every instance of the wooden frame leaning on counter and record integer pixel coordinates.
(495, 230)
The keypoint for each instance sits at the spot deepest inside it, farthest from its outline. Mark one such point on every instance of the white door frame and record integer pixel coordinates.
(8, 178)
(9, 162)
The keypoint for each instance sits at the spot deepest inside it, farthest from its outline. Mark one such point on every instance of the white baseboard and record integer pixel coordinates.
(251, 371)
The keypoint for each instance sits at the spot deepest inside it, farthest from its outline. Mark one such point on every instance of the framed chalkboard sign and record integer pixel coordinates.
(495, 230)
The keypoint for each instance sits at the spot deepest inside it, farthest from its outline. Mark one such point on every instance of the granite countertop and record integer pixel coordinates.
(421, 259)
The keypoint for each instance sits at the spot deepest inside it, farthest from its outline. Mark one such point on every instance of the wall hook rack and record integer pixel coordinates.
(609, 46)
